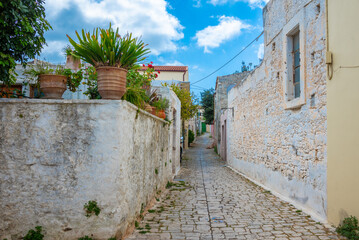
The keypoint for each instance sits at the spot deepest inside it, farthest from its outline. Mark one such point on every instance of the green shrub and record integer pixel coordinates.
(215, 149)
(85, 238)
(190, 136)
(91, 207)
(34, 234)
(349, 228)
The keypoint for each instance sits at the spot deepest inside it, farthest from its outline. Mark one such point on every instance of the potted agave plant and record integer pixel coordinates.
(112, 56)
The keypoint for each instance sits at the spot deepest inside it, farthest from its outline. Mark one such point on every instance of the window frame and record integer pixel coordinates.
(293, 27)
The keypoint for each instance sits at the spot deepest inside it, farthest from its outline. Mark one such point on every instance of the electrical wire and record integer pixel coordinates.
(256, 39)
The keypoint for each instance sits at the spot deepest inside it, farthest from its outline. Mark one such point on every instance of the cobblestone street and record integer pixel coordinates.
(207, 200)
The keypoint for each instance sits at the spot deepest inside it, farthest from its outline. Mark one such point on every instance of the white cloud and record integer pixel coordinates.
(174, 63)
(260, 51)
(54, 47)
(214, 36)
(197, 3)
(148, 19)
(252, 3)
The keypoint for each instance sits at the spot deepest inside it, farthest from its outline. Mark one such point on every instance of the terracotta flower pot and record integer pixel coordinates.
(111, 82)
(154, 110)
(148, 108)
(53, 86)
(161, 114)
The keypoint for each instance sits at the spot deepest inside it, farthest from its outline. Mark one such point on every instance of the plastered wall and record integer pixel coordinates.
(56, 155)
(343, 111)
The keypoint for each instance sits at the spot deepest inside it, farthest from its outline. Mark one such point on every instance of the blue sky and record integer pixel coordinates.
(200, 34)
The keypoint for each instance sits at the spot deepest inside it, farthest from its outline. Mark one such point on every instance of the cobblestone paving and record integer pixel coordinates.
(210, 201)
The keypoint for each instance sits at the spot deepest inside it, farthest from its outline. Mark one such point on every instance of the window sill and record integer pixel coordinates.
(294, 103)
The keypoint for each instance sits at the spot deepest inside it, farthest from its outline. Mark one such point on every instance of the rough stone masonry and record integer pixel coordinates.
(284, 148)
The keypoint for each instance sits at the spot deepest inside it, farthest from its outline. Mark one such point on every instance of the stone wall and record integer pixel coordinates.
(56, 155)
(284, 149)
(223, 85)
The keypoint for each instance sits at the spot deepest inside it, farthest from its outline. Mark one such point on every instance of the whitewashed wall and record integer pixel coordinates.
(56, 155)
(173, 114)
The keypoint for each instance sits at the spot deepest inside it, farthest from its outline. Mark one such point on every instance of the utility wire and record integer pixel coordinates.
(198, 87)
(256, 39)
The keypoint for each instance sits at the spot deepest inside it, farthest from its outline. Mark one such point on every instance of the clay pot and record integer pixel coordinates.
(111, 82)
(154, 111)
(148, 108)
(161, 114)
(53, 86)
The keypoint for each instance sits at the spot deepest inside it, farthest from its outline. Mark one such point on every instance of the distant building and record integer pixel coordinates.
(171, 74)
(223, 85)
(179, 76)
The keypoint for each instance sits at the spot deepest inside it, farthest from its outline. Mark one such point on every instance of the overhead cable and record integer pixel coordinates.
(256, 39)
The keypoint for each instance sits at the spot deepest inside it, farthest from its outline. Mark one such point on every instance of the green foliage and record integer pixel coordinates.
(105, 47)
(34, 234)
(22, 25)
(349, 228)
(85, 238)
(156, 171)
(73, 78)
(135, 93)
(113, 238)
(34, 71)
(90, 76)
(70, 52)
(190, 136)
(215, 149)
(207, 102)
(169, 184)
(147, 226)
(161, 104)
(138, 85)
(136, 224)
(188, 106)
(92, 208)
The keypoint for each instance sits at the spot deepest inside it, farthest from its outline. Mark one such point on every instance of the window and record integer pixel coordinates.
(294, 62)
(296, 65)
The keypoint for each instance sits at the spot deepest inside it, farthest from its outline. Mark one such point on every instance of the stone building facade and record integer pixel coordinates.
(223, 85)
(277, 134)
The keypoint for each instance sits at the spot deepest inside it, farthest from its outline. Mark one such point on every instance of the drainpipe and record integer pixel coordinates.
(329, 54)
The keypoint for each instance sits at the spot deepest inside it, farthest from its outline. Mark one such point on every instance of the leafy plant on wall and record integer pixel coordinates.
(188, 106)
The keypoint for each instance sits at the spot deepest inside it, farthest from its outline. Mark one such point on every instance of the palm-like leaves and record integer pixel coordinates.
(110, 49)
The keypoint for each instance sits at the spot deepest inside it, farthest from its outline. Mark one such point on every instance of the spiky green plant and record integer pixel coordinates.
(105, 47)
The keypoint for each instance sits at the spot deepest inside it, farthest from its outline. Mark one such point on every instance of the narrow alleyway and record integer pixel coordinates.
(209, 201)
